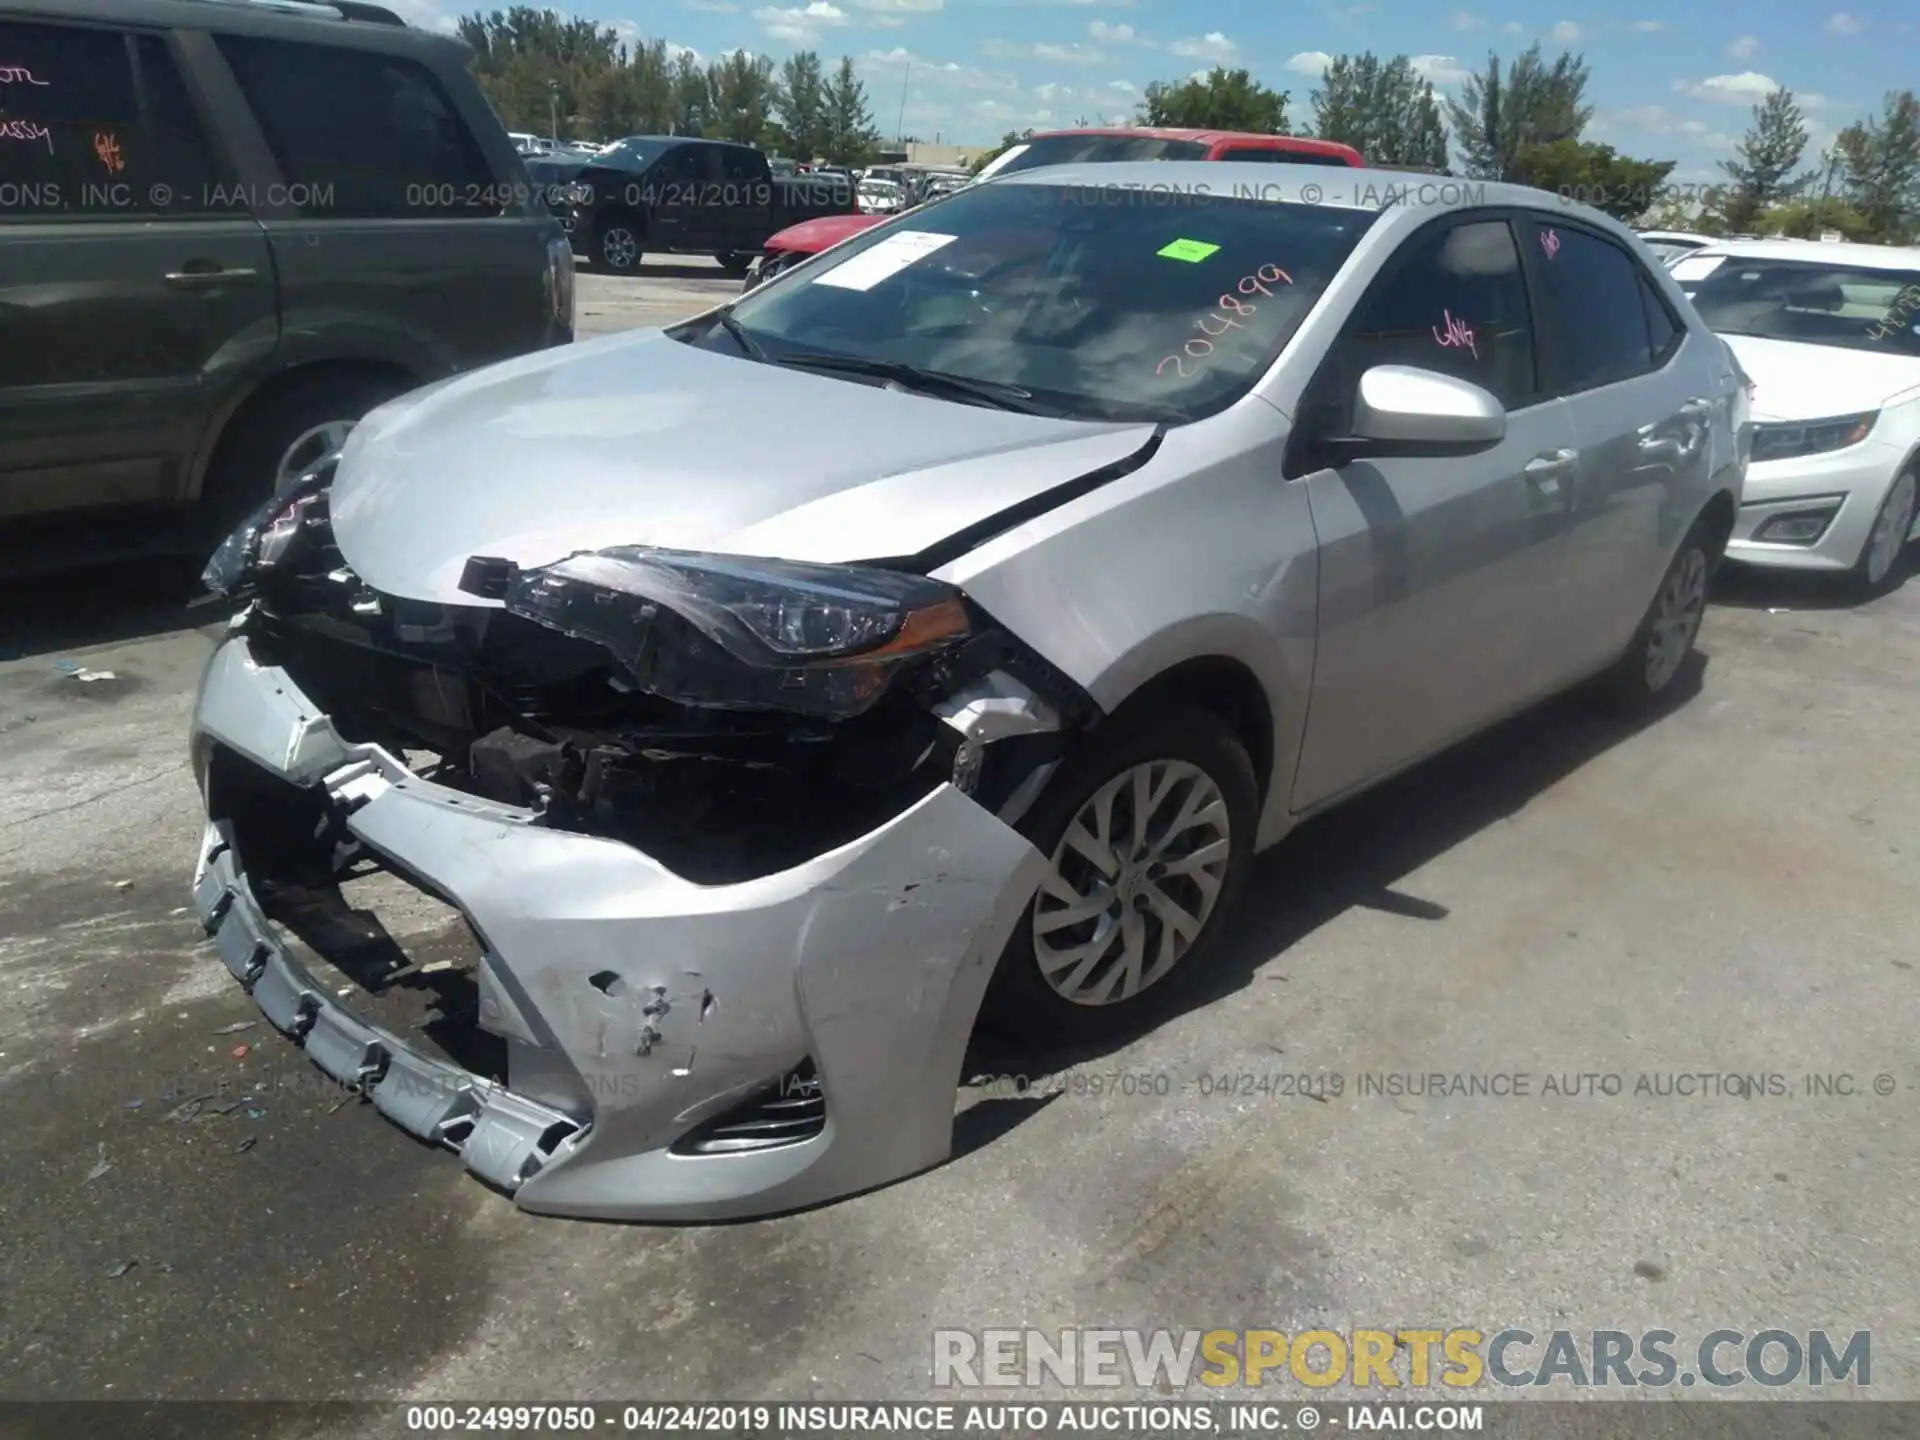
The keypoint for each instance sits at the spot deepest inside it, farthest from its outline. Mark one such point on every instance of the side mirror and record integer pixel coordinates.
(1404, 410)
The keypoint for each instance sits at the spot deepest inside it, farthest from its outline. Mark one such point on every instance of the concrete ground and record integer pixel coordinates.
(1730, 888)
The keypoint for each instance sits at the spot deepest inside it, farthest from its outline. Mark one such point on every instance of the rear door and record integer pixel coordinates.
(746, 198)
(1651, 404)
(394, 233)
(676, 191)
(135, 295)
(1436, 574)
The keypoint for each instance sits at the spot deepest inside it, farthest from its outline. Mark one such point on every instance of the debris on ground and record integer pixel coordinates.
(225, 1107)
(123, 884)
(239, 1052)
(187, 1109)
(101, 1166)
(255, 1112)
(87, 677)
(246, 1145)
(120, 1268)
(235, 1028)
(134, 1104)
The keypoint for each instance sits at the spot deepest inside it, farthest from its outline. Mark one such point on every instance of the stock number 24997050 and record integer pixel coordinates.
(1249, 1083)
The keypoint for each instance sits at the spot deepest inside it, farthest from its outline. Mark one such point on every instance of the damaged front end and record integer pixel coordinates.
(737, 839)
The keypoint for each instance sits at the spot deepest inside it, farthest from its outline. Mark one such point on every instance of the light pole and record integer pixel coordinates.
(553, 111)
(900, 124)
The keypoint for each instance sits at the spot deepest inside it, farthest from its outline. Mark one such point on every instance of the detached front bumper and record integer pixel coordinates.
(1844, 486)
(638, 1008)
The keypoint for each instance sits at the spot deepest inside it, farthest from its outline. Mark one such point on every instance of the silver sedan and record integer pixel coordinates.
(932, 636)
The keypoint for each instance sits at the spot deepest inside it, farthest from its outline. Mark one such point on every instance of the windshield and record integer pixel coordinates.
(1810, 303)
(1168, 310)
(1080, 149)
(636, 152)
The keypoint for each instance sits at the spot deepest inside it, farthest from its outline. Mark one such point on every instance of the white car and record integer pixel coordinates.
(880, 197)
(1830, 335)
(1671, 245)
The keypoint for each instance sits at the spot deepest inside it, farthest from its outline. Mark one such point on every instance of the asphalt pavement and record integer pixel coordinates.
(187, 1210)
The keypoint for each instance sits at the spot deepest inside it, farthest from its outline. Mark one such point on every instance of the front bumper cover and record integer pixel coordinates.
(636, 1005)
(1849, 484)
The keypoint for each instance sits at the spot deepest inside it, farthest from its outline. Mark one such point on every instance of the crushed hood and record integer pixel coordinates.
(638, 439)
(1797, 381)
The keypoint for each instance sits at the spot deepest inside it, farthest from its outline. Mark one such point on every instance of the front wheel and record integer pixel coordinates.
(735, 263)
(1148, 833)
(1878, 568)
(616, 244)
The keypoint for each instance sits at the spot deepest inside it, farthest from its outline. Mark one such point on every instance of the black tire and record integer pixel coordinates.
(619, 243)
(1635, 682)
(1861, 579)
(735, 263)
(1020, 1003)
(244, 475)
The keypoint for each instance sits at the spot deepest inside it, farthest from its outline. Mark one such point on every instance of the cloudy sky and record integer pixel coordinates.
(1666, 85)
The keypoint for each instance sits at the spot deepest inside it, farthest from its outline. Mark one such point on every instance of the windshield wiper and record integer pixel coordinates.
(738, 333)
(996, 393)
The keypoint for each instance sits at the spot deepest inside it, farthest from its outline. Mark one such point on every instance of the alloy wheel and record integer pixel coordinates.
(619, 247)
(1676, 618)
(1133, 882)
(1890, 529)
(310, 448)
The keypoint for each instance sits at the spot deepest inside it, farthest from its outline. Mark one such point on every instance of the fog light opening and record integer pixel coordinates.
(1800, 528)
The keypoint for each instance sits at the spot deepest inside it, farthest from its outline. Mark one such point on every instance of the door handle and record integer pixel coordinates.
(1697, 410)
(1543, 472)
(205, 279)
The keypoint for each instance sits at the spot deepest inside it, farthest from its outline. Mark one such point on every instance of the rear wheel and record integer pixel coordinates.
(1878, 569)
(1148, 833)
(1659, 648)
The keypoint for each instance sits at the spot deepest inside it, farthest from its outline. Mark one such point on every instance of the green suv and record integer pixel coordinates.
(228, 229)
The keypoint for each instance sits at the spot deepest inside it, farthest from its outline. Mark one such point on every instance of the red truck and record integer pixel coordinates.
(1071, 147)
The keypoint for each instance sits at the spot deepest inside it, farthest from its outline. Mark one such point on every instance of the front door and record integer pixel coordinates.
(1436, 574)
(136, 295)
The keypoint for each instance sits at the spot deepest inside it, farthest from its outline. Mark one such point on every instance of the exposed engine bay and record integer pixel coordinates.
(732, 723)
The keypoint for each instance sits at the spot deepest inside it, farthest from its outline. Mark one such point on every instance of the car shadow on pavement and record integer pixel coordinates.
(1745, 587)
(1353, 856)
(104, 604)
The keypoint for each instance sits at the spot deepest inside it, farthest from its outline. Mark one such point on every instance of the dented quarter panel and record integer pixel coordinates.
(1204, 551)
(639, 440)
(871, 959)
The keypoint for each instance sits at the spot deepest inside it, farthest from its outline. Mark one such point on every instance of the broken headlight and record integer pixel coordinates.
(265, 534)
(738, 632)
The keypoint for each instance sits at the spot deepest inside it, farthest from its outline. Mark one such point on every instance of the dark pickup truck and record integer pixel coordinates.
(690, 197)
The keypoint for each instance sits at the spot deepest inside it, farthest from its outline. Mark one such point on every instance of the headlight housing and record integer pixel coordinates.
(260, 539)
(1811, 437)
(738, 632)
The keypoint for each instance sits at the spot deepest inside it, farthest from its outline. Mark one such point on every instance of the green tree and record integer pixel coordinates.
(1594, 175)
(1804, 218)
(851, 136)
(1880, 158)
(1384, 110)
(1221, 100)
(1767, 155)
(1496, 119)
(690, 105)
(1007, 142)
(803, 104)
(741, 95)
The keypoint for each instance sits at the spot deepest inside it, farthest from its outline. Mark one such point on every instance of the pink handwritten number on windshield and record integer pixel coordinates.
(1550, 242)
(1223, 313)
(1457, 334)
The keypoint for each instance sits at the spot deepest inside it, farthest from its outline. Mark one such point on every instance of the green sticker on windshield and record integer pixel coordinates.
(1191, 251)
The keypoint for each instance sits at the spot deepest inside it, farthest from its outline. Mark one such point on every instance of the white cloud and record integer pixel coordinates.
(1718, 140)
(1310, 62)
(1648, 26)
(1211, 46)
(1203, 75)
(1693, 127)
(1442, 70)
(1044, 50)
(1652, 117)
(1744, 48)
(674, 52)
(901, 7)
(1749, 87)
(712, 7)
(801, 24)
(424, 15)
(1844, 24)
(1115, 34)
(1566, 32)
(1464, 21)
(1125, 87)
(992, 110)
(1512, 27)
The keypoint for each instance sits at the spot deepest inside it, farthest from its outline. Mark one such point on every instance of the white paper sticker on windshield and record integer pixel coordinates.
(877, 262)
(1696, 267)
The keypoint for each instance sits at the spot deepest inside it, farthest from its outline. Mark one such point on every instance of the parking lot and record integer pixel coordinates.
(1728, 890)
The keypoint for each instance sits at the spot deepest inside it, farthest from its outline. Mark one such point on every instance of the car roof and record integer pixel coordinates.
(355, 21)
(1303, 143)
(1675, 235)
(1851, 255)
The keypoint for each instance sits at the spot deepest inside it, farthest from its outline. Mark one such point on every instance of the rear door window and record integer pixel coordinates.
(1592, 295)
(360, 135)
(1456, 303)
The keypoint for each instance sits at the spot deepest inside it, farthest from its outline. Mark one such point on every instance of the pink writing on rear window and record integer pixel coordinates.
(18, 75)
(26, 130)
(1550, 242)
(1457, 333)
